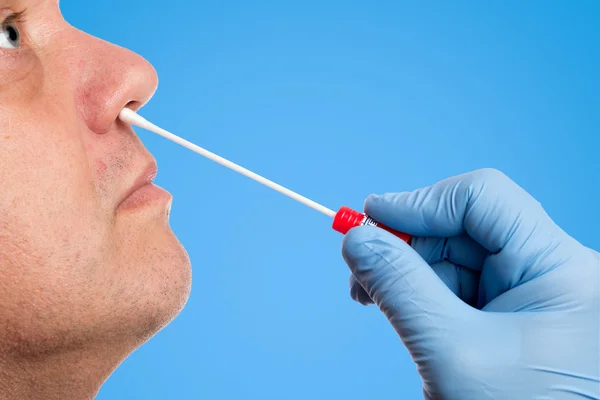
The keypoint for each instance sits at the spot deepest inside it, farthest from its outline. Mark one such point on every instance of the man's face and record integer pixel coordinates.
(80, 261)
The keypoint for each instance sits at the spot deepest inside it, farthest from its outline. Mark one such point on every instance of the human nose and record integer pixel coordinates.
(111, 78)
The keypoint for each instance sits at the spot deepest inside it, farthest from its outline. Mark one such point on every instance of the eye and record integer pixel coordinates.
(10, 37)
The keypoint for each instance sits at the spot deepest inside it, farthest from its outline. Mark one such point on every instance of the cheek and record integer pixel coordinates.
(21, 73)
(39, 157)
(48, 199)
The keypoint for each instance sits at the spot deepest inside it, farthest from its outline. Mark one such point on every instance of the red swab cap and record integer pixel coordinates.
(346, 219)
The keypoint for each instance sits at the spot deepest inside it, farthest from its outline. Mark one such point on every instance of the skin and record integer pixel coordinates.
(83, 280)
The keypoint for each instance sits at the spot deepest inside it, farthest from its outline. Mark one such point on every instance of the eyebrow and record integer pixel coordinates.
(16, 17)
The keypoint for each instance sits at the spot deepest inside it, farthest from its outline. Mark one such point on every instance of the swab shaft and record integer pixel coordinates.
(130, 117)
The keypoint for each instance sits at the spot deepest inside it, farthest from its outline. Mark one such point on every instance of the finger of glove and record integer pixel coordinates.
(495, 212)
(461, 250)
(463, 282)
(485, 204)
(401, 283)
(358, 293)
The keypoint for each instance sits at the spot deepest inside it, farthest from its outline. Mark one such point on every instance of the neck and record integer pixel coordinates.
(76, 374)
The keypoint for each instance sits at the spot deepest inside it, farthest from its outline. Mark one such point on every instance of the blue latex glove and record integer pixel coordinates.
(492, 299)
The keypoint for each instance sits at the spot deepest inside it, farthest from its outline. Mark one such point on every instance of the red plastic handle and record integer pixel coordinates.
(346, 219)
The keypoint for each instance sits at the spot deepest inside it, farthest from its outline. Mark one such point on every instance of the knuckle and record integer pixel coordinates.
(491, 175)
(488, 182)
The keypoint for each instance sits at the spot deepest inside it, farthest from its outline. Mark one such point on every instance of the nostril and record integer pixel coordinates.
(133, 105)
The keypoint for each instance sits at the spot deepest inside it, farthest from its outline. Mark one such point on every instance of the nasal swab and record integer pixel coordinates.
(344, 220)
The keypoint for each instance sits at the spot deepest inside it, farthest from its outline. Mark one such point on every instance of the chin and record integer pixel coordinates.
(157, 277)
(175, 285)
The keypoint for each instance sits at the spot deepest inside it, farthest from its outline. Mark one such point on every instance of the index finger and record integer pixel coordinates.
(485, 204)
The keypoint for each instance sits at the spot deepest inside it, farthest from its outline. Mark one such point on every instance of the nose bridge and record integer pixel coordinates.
(109, 77)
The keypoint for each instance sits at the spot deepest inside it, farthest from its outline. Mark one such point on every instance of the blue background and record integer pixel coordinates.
(337, 99)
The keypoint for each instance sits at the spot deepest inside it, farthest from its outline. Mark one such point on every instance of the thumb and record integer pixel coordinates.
(405, 288)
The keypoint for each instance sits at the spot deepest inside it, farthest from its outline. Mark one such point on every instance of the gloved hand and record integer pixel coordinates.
(492, 299)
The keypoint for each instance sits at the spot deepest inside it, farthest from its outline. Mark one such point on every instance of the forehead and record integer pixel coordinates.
(27, 3)
(36, 9)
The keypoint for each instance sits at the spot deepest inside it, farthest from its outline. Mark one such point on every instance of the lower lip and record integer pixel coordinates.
(147, 195)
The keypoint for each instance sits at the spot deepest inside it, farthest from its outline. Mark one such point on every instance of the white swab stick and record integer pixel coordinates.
(130, 117)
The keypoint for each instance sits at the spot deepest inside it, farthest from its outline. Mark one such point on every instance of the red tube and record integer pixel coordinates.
(346, 219)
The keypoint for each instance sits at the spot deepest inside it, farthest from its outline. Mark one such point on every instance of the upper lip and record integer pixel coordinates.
(144, 178)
